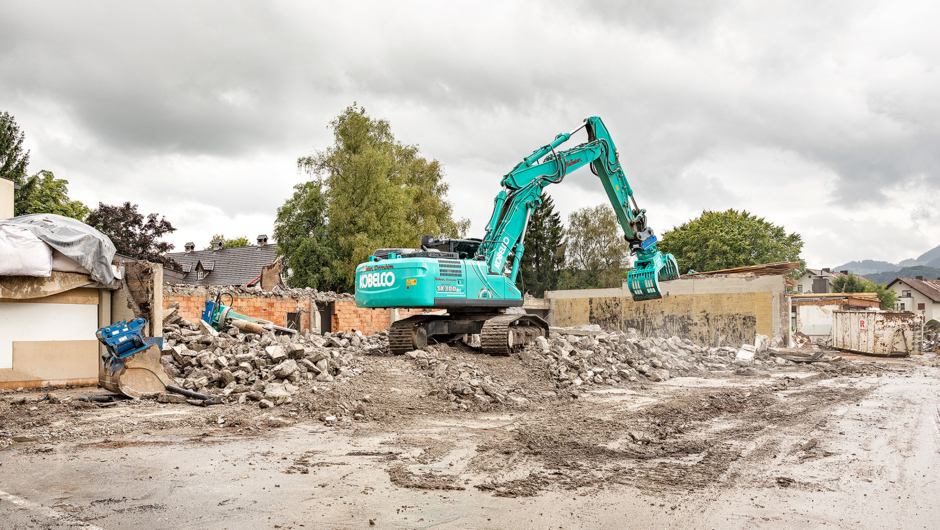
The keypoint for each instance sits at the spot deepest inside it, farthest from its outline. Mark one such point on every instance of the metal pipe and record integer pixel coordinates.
(247, 327)
(189, 393)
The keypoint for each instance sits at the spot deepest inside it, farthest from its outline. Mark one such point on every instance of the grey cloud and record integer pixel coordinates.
(848, 85)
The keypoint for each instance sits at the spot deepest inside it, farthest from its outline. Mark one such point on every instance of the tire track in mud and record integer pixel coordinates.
(682, 444)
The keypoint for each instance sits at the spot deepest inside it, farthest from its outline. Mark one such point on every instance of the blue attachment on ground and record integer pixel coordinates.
(208, 312)
(126, 338)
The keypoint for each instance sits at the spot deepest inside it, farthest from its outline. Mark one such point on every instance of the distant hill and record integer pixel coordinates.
(906, 272)
(870, 268)
(866, 267)
(930, 256)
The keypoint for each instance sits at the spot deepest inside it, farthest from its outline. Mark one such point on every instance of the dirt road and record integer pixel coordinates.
(793, 450)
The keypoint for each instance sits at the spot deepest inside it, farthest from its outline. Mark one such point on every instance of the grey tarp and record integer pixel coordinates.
(85, 245)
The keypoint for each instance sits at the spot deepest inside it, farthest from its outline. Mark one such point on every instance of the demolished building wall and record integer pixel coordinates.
(309, 306)
(708, 310)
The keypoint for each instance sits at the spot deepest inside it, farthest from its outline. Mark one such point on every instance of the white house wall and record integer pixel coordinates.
(931, 309)
(20, 322)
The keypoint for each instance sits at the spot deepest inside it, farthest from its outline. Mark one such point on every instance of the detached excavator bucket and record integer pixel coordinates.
(136, 376)
(650, 269)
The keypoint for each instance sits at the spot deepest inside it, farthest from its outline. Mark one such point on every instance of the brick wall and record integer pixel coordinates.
(346, 316)
(273, 309)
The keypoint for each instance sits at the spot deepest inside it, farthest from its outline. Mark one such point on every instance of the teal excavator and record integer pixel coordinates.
(473, 280)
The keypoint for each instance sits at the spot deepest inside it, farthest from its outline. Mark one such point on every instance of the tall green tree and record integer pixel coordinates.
(303, 239)
(724, 240)
(229, 243)
(13, 160)
(378, 191)
(596, 251)
(133, 234)
(544, 256)
(43, 193)
(850, 283)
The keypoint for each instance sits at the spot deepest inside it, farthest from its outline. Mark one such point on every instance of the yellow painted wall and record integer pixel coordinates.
(707, 318)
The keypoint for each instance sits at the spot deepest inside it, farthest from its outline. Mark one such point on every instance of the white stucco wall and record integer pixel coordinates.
(6, 198)
(44, 322)
(806, 282)
(931, 309)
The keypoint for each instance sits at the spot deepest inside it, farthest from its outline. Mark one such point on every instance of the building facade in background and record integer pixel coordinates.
(919, 295)
(222, 266)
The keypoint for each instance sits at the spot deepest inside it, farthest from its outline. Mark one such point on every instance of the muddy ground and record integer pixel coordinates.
(792, 446)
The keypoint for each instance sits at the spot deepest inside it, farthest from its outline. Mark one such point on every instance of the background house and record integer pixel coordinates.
(222, 266)
(816, 281)
(918, 295)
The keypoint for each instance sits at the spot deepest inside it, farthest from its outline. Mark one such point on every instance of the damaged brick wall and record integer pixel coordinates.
(346, 317)
(275, 306)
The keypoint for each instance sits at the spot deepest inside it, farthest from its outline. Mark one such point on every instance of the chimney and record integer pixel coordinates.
(920, 277)
(216, 244)
(189, 247)
(825, 269)
(262, 240)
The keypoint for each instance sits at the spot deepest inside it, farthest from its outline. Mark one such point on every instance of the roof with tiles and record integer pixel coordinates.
(227, 266)
(928, 288)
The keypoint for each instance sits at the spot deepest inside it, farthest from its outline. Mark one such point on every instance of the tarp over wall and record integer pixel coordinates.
(83, 244)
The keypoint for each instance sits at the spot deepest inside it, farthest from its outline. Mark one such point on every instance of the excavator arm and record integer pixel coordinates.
(522, 191)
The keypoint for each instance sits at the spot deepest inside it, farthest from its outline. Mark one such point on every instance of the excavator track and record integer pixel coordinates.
(505, 334)
(403, 335)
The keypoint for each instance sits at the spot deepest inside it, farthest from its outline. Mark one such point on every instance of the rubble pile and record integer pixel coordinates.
(300, 293)
(268, 369)
(464, 384)
(611, 358)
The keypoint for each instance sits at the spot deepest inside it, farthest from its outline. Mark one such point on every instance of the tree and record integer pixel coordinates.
(229, 243)
(43, 193)
(544, 255)
(303, 241)
(724, 240)
(850, 283)
(596, 251)
(13, 160)
(134, 235)
(379, 193)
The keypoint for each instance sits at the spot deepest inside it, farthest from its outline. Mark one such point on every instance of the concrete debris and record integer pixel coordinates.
(587, 357)
(269, 369)
(746, 354)
(278, 292)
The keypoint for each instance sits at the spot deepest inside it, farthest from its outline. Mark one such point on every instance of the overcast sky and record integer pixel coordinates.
(821, 116)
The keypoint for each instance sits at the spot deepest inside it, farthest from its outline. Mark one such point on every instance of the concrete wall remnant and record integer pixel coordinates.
(709, 310)
(142, 294)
